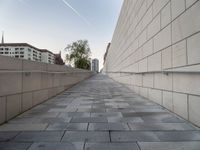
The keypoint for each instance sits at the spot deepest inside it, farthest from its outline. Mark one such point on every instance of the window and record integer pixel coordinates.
(17, 56)
(21, 52)
(1, 49)
(29, 50)
(16, 48)
(21, 48)
(21, 56)
(6, 52)
(6, 49)
(1, 52)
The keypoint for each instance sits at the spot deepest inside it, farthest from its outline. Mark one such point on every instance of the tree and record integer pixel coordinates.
(79, 54)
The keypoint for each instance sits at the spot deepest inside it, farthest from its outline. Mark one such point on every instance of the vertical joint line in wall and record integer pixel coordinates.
(171, 39)
(171, 19)
(6, 116)
(154, 80)
(188, 107)
(172, 100)
(172, 81)
(22, 86)
(162, 97)
(187, 51)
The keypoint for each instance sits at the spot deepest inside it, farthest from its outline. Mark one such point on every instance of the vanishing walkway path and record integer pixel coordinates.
(98, 114)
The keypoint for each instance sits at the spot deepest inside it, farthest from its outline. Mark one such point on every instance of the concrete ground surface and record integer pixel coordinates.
(99, 114)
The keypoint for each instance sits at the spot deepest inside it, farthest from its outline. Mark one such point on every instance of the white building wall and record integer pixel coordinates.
(95, 65)
(155, 36)
(48, 57)
(28, 53)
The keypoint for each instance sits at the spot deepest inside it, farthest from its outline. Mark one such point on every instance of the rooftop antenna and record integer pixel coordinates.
(2, 40)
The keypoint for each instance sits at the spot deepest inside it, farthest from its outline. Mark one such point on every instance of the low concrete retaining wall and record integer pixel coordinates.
(25, 84)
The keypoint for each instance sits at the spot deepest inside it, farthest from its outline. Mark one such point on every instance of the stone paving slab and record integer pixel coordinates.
(89, 120)
(160, 126)
(57, 127)
(125, 119)
(77, 126)
(37, 136)
(107, 114)
(141, 136)
(7, 136)
(24, 127)
(111, 146)
(108, 127)
(178, 135)
(14, 146)
(57, 146)
(99, 114)
(169, 145)
(73, 114)
(81, 136)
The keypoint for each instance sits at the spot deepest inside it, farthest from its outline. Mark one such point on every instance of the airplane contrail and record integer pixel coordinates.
(76, 12)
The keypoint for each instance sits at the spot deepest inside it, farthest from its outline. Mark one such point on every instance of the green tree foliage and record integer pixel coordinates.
(79, 54)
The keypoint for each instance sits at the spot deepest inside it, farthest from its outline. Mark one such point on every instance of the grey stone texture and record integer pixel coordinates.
(129, 122)
(155, 52)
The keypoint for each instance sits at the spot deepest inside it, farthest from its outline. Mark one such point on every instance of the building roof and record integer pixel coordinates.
(2, 40)
(45, 50)
(24, 44)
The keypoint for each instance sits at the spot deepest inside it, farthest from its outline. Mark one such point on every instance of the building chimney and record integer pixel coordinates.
(2, 40)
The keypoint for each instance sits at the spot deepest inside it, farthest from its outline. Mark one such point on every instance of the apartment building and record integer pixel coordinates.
(26, 51)
(95, 65)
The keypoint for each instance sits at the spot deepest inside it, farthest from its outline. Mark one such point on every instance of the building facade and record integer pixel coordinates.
(95, 65)
(26, 51)
(47, 56)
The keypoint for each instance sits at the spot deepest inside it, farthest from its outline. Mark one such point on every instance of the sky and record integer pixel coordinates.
(53, 24)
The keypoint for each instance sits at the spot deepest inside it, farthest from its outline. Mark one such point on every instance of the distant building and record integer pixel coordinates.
(95, 65)
(58, 59)
(106, 53)
(47, 56)
(26, 51)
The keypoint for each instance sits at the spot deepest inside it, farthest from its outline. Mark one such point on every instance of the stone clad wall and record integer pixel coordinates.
(155, 51)
(24, 84)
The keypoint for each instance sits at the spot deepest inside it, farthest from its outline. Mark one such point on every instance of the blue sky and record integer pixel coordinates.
(52, 24)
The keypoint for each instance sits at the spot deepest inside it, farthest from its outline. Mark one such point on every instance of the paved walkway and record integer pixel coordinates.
(99, 114)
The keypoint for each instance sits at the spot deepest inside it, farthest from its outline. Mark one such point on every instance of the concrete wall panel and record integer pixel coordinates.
(10, 83)
(168, 100)
(180, 102)
(148, 80)
(186, 24)
(154, 62)
(31, 81)
(2, 109)
(194, 106)
(27, 101)
(8, 63)
(13, 106)
(156, 96)
(187, 83)
(193, 49)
